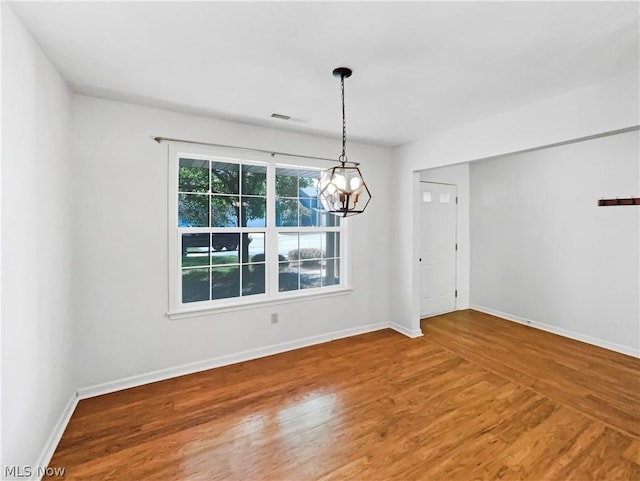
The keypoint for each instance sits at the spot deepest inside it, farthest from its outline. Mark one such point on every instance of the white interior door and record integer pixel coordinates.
(437, 248)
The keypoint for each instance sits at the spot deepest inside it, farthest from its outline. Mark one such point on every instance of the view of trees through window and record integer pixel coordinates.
(224, 227)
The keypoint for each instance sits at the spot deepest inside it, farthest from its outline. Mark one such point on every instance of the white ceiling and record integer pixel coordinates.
(418, 66)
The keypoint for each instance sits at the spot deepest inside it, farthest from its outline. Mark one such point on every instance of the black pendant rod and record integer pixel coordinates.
(343, 72)
(250, 149)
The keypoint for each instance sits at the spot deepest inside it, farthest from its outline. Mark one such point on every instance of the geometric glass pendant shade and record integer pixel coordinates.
(342, 190)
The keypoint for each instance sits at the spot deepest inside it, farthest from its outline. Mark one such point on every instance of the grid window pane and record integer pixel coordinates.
(196, 249)
(243, 251)
(193, 210)
(288, 276)
(225, 282)
(195, 285)
(255, 248)
(331, 244)
(286, 212)
(310, 246)
(287, 242)
(225, 178)
(307, 217)
(331, 272)
(310, 213)
(254, 180)
(309, 183)
(253, 279)
(224, 211)
(254, 211)
(193, 175)
(310, 274)
(224, 248)
(286, 182)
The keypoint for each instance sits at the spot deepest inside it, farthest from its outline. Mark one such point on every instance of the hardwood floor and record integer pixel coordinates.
(476, 398)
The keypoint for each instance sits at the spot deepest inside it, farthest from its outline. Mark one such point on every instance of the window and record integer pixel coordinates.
(308, 237)
(246, 231)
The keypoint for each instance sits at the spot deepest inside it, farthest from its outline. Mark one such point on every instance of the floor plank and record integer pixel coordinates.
(476, 398)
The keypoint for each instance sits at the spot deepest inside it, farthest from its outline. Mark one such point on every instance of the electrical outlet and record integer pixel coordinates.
(274, 318)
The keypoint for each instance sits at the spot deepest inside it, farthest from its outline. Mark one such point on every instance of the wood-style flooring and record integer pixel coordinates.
(476, 398)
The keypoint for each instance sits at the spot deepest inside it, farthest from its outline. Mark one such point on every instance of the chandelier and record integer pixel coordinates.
(342, 190)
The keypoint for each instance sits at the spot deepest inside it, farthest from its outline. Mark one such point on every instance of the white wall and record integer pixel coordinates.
(38, 361)
(603, 107)
(458, 175)
(606, 106)
(543, 251)
(120, 263)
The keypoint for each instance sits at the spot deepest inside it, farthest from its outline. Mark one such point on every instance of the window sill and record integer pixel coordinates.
(282, 299)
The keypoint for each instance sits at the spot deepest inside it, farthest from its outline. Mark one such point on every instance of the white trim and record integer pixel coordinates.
(612, 346)
(415, 253)
(297, 296)
(58, 430)
(168, 373)
(412, 333)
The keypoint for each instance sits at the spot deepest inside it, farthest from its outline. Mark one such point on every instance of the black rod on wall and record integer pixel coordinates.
(251, 149)
(619, 201)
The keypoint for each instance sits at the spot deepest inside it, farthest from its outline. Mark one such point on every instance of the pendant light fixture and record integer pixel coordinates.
(342, 190)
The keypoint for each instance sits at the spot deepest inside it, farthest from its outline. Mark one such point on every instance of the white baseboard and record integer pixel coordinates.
(612, 346)
(412, 333)
(162, 374)
(56, 434)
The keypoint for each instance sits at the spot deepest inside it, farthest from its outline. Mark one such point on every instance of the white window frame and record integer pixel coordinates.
(178, 309)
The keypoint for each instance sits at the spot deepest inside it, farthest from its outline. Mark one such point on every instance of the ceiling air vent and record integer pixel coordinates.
(288, 117)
